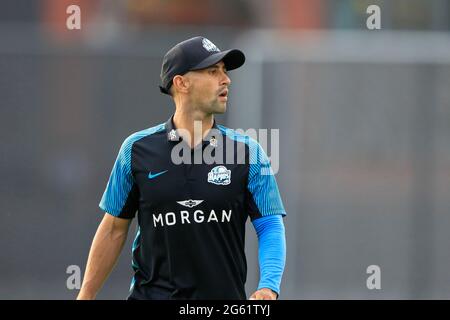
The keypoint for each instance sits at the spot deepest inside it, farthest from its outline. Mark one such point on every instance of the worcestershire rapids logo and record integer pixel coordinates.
(219, 175)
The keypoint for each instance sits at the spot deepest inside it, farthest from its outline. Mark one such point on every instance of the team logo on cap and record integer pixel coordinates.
(208, 45)
(219, 175)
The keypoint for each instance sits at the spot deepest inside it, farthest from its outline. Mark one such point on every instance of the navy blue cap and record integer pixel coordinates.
(195, 54)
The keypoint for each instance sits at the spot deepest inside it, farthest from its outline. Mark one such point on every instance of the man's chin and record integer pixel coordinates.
(221, 108)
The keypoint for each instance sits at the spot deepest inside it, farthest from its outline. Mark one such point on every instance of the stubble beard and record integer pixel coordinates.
(218, 107)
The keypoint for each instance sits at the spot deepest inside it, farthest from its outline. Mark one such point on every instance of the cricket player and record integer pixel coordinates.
(191, 214)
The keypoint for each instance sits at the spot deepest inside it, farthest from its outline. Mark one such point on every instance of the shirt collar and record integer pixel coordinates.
(173, 136)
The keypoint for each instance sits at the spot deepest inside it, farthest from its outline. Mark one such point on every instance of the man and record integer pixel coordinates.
(191, 215)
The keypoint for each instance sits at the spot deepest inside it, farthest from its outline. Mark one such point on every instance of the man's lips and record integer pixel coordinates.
(224, 94)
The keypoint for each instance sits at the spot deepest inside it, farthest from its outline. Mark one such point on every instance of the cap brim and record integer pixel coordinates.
(232, 59)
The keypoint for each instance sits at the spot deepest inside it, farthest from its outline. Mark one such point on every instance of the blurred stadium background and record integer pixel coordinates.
(364, 119)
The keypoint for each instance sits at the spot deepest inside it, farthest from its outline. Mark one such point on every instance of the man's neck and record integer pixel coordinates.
(188, 120)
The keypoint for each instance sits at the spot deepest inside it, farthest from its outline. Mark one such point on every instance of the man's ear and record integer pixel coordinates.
(181, 84)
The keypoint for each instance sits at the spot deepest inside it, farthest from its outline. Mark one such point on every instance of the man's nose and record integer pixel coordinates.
(226, 80)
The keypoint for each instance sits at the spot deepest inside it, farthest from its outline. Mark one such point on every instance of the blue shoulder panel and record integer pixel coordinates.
(261, 179)
(121, 179)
